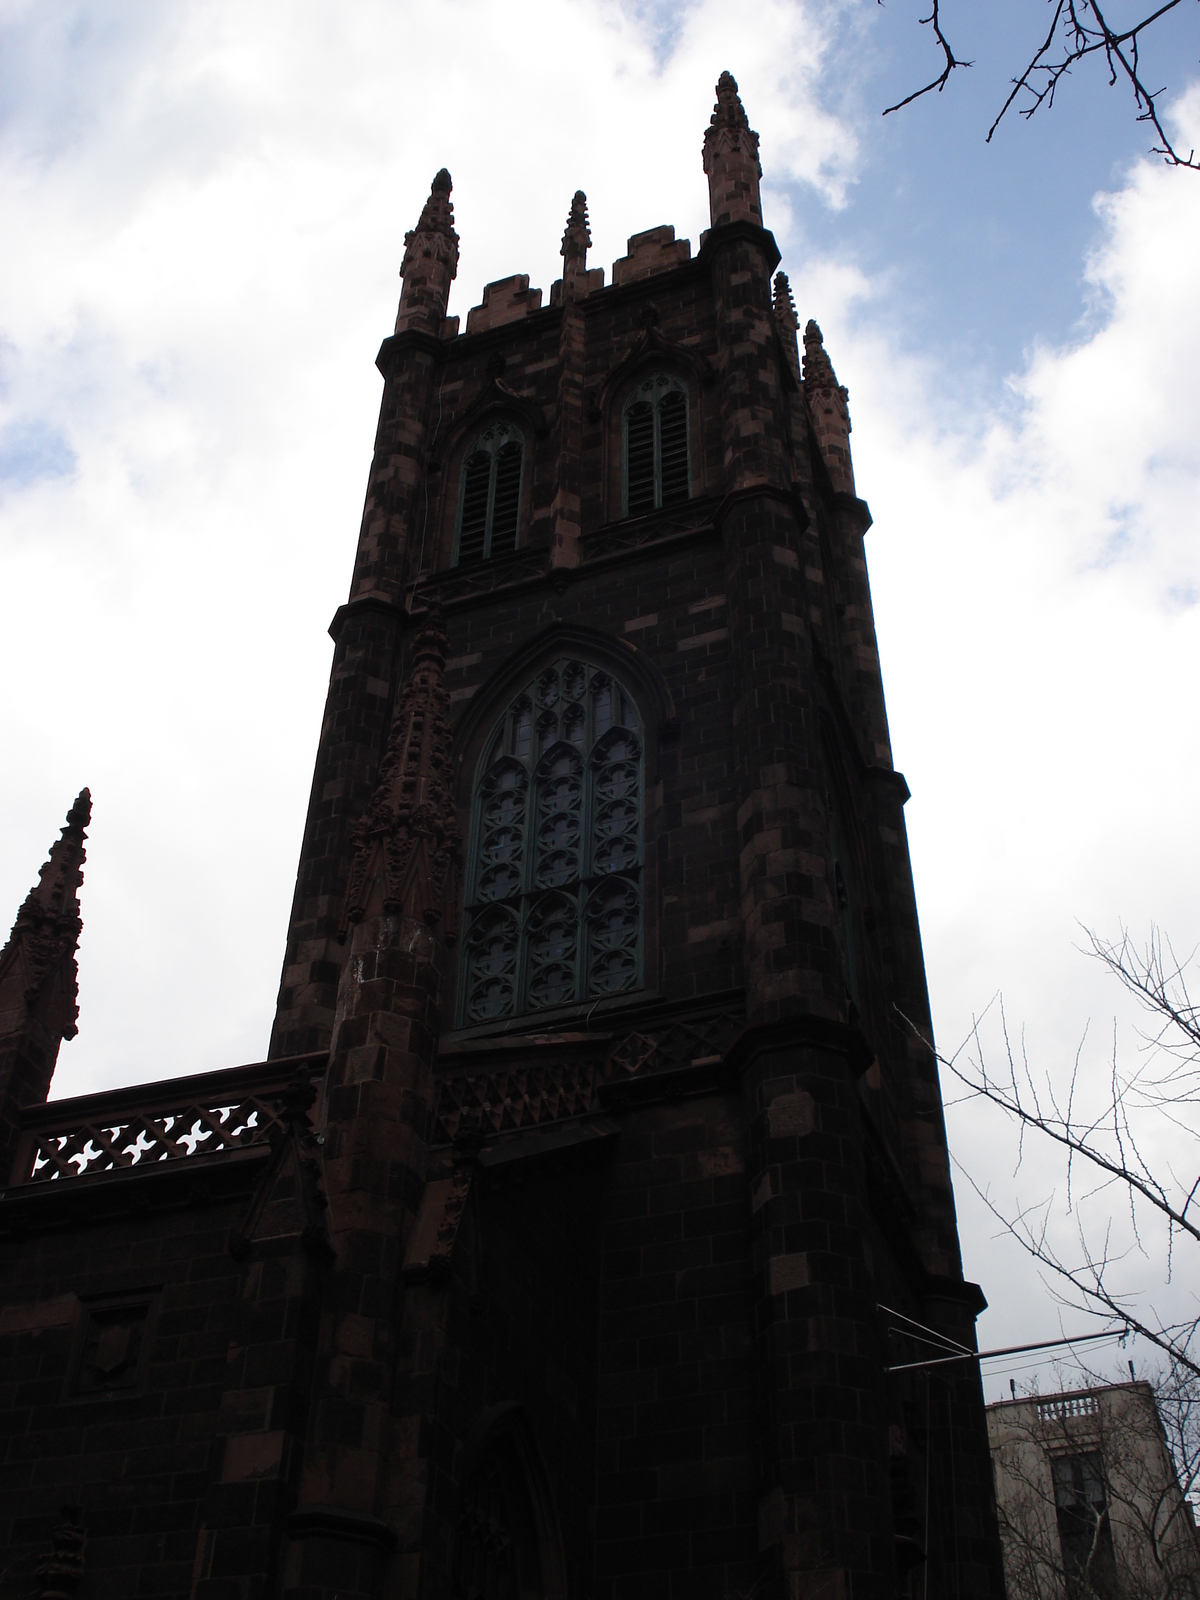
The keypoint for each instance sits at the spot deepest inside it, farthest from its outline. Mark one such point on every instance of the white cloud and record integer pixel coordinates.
(205, 212)
(205, 209)
(1035, 579)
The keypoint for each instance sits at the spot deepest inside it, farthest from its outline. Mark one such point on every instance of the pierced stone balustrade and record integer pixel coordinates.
(180, 1119)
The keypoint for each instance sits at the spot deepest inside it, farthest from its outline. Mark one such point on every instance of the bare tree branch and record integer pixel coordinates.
(951, 61)
(1078, 30)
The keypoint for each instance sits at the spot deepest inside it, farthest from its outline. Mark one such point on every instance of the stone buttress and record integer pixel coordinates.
(368, 631)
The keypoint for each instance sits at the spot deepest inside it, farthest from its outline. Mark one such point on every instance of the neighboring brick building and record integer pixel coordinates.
(556, 1249)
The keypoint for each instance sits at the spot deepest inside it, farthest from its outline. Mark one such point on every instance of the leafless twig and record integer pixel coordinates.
(950, 59)
(1078, 29)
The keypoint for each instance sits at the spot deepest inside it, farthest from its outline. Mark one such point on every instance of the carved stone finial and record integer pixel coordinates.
(729, 111)
(37, 965)
(577, 235)
(731, 159)
(430, 261)
(437, 214)
(829, 407)
(787, 322)
(785, 306)
(818, 369)
(61, 1568)
(408, 842)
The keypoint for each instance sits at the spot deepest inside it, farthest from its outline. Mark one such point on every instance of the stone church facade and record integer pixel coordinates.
(596, 1176)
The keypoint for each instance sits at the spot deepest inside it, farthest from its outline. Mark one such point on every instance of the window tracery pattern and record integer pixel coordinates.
(497, 1549)
(654, 426)
(489, 495)
(554, 886)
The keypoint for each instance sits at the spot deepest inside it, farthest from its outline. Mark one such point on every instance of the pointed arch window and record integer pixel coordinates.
(554, 883)
(654, 429)
(489, 495)
(507, 1544)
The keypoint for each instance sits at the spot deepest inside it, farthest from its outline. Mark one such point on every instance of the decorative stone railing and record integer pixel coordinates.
(176, 1120)
(1066, 1407)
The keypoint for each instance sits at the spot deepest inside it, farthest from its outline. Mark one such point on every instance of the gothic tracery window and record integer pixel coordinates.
(654, 428)
(489, 495)
(496, 1545)
(554, 886)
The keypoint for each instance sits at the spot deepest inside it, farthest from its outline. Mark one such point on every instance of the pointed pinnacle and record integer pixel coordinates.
(728, 111)
(577, 235)
(437, 215)
(818, 369)
(785, 306)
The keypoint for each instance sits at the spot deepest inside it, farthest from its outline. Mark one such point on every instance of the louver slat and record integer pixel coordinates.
(507, 501)
(640, 458)
(672, 422)
(474, 508)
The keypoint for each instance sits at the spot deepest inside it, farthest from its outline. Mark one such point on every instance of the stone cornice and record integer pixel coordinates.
(789, 496)
(714, 239)
(364, 604)
(803, 1030)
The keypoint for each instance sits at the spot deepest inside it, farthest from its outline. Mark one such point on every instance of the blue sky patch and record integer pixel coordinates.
(31, 450)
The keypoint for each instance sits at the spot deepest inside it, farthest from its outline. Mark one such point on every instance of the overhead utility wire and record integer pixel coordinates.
(943, 1340)
(1008, 1350)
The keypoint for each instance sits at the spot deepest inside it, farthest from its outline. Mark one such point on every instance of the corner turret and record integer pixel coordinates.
(731, 160)
(430, 263)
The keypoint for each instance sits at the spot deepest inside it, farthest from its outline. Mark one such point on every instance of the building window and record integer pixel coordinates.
(489, 495)
(1081, 1510)
(654, 427)
(498, 1552)
(554, 886)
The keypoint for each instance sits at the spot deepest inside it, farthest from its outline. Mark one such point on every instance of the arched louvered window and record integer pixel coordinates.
(489, 495)
(554, 885)
(654, 426)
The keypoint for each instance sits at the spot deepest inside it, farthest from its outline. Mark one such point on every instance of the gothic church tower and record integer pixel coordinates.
(584, 1234)
(605, 912)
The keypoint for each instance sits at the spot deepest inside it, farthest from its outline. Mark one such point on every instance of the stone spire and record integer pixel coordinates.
(39, 991)
(731, 160)
(829, 407)
(407, 844)
(430, 263)
(37, 965)
(787, 321)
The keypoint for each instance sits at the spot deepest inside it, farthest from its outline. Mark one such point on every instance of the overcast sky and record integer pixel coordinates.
(205, 207)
